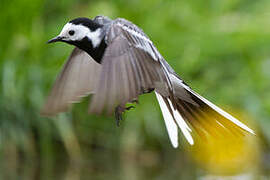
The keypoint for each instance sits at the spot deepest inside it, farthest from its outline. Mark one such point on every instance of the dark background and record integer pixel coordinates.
(220, 48)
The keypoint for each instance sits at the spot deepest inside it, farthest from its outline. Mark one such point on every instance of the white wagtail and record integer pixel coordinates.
(116, 62)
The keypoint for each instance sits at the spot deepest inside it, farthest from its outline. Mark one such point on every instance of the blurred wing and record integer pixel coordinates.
(77, 79)
(130, 67)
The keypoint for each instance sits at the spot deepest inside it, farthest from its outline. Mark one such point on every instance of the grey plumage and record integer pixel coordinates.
(127, 69)
(76, 80)
(130, 66)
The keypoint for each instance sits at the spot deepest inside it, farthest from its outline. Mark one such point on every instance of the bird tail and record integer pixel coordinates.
(194, 114)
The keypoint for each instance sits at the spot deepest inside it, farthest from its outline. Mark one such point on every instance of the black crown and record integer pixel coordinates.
(86, 22)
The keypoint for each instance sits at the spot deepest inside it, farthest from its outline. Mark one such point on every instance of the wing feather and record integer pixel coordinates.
(134, 70)
(77, 79)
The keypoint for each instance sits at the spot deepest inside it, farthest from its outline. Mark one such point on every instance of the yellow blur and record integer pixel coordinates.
(225, 152)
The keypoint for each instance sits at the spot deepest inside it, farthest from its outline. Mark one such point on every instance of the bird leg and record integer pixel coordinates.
(145, 91)
(135, 100)
(119, 110)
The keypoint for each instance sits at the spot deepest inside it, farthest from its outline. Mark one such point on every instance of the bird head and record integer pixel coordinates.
(81, 32)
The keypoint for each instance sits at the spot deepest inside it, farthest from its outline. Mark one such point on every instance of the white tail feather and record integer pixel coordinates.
(182, 124)
(220, 111)
(169, 122)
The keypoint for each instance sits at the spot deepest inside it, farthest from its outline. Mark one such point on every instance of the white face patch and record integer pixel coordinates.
(81, 32)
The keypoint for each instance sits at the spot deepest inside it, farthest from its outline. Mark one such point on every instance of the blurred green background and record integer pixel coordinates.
(221, 48)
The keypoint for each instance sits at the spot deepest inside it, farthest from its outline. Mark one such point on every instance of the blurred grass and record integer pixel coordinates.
(221, 48)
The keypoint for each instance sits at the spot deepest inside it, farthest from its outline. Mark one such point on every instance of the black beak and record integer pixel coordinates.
(56, 39)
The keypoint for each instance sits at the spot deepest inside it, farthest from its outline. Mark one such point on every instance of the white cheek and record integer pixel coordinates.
(77, 36)
(80, 33)
(95, 37)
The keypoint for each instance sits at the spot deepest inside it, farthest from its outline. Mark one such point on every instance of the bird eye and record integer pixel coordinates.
(71, 32)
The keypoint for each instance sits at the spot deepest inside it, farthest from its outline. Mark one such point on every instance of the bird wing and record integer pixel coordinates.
(130, 67)
(77, 79)
(102, 20)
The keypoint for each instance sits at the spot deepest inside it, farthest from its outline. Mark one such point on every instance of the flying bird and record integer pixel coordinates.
(116, 62)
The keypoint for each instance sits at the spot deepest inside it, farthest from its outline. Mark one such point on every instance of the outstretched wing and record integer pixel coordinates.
(77, 79)
(130, 67)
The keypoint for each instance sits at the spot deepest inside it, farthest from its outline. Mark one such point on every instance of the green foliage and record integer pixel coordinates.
(220, 48)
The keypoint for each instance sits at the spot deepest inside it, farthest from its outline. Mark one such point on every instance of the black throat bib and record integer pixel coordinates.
(86, 45)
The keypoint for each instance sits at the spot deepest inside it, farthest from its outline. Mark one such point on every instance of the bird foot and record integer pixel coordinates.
(135, 101)
(145, 91)
(119, 110)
